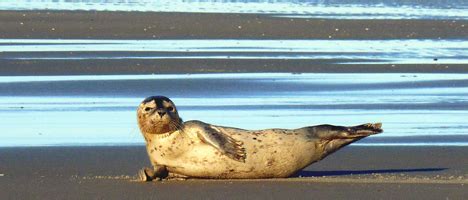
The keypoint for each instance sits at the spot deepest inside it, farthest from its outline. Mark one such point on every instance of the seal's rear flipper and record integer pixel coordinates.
(335, 137)
(330, 132)
(366, 130)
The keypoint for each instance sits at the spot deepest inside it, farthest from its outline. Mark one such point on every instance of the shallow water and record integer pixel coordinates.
(416, 109)
(346, 51)
(350, 9)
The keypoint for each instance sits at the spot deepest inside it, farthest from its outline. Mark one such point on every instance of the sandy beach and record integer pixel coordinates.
(351, 173)
(157, 25)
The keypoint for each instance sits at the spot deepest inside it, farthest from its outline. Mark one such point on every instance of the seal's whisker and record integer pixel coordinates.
(133, 134)
(176, 125)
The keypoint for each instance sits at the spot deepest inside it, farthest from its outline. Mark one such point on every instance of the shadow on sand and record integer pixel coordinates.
(360, 172)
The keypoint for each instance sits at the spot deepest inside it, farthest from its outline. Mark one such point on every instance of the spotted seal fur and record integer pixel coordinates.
(200, 150)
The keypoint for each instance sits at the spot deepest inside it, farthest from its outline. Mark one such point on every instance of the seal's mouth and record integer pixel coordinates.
(164, 125)
(165, 121)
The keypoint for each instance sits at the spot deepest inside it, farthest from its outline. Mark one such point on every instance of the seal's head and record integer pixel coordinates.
(158, 115)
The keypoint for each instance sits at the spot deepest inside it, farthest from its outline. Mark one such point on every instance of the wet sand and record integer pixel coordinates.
(351, 173)
(194, 66)
(157, 25)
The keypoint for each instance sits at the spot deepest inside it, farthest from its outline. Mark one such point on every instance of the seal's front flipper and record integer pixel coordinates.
(175, 176)
(147, 174)
(224, 143)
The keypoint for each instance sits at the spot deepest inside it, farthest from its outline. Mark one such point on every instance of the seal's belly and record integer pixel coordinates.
(267, 157)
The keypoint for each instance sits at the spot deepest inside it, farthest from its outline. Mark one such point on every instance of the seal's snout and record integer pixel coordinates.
(161, 113)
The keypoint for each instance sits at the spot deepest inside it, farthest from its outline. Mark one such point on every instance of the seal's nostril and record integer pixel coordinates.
(161, 113)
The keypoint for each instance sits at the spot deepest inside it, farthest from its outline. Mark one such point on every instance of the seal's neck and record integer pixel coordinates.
(164, 135)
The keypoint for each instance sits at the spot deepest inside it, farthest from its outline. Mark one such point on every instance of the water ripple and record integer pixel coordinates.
(347, 51)
(416, 109)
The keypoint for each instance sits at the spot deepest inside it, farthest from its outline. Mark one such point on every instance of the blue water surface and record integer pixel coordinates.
(362, 52)
(415, 109)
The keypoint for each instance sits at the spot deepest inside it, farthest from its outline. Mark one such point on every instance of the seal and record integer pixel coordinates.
(195, 149)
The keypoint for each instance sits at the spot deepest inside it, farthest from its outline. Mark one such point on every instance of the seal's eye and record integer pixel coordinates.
(148, 108)
(170, 108)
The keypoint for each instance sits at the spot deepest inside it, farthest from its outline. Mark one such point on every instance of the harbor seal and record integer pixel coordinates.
(195, 149)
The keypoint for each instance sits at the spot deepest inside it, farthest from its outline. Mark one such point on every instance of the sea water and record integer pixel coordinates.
(415, 109)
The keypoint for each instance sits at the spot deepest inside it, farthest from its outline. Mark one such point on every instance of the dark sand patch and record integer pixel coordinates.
(157, 25)
(177, 66)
